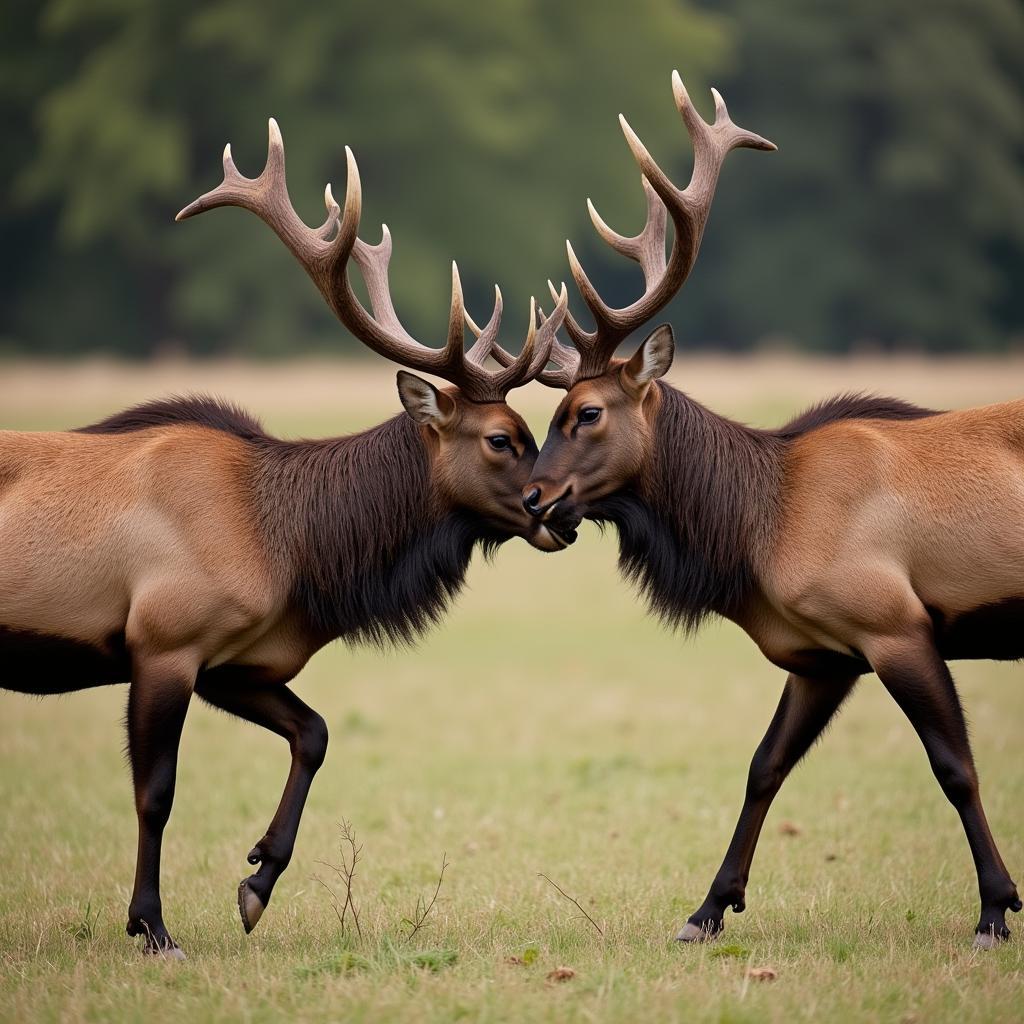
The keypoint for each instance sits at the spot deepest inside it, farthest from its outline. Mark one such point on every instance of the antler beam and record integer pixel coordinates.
(688, 209)
(324, 254)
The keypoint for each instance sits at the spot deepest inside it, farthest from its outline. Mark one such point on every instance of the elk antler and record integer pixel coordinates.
(688, 208)
(324, 253)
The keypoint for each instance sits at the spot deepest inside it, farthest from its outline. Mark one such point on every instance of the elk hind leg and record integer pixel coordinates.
(918, 679)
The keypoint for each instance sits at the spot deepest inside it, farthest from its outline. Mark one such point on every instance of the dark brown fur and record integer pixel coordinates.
(201, 410)
(852, 406)
(375, 558)
(993, 631)
(41, 664)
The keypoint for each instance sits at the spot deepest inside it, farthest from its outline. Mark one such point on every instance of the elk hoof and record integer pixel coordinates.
(171, 952)
(250, 906)
(987, 940)
(696, 933)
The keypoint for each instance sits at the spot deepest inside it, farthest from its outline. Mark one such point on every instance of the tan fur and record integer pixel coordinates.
(149, 533)
(920, 514)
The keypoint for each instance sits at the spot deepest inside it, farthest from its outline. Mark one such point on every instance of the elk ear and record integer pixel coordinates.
(423, 402)
(650, 361)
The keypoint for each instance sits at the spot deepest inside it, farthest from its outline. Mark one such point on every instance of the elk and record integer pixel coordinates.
(867, 535)
(179, 548)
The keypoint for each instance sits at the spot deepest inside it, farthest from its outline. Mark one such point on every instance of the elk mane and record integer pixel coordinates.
(853, 406)
(376, 558)
(198, 409)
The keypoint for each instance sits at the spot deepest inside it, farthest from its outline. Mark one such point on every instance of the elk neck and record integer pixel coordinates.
(692, 527)
(373, 553)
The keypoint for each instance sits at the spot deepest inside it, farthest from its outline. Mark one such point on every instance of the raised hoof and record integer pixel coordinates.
(250, 906)
(695, 933)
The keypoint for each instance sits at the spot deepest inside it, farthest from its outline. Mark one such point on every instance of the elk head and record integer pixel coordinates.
(481, 450)
(603, 432)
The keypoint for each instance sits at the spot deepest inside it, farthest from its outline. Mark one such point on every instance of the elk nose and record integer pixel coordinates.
(531, 501)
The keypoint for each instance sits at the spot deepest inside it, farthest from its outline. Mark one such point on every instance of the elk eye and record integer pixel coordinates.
(591, 414)
(500, 442)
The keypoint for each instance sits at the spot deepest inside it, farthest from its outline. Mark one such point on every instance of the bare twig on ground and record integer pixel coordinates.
(572, 899)
(346, 872)
(423, 909)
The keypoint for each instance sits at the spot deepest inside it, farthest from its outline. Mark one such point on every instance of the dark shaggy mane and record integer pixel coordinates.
(853, 406)
(374, 560)
(687, 532)
(201, 410)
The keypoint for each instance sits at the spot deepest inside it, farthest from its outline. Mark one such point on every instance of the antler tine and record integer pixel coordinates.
(565, 357)
(486, 336)
(537, 349)
(486, 343)
(333, 221)
(541, 340)
(578, 335)
(542, 354)
(648, 247)
(324, 253)
(267, 197)
(711, 144)
(688, 209)
(454, 353)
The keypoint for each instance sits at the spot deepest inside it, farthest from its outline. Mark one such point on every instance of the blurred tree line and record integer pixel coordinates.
(894, 210)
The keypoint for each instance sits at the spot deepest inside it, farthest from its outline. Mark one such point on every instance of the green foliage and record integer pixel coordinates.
(894, 209)
(384, 958)
(729, 951)
(467, 121)
(345, 962)
(84, 928)
(434, 959)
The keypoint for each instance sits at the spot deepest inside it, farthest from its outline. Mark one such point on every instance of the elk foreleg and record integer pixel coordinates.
(806, 707)
(158, 699)
(914, 673)
(274, 707)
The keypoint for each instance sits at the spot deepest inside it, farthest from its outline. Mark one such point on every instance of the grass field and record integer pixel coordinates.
(548, 727)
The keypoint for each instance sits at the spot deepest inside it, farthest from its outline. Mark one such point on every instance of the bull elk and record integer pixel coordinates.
(179, 548)
(865, 535)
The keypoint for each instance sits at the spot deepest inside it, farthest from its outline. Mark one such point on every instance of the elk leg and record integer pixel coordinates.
(806, 707)
(158, 699)
(276, 708)
(921, 684)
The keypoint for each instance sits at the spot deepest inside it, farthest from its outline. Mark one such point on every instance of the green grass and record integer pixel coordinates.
(549, 727)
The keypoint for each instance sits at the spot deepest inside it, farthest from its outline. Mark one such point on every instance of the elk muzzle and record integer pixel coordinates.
(556, 518)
